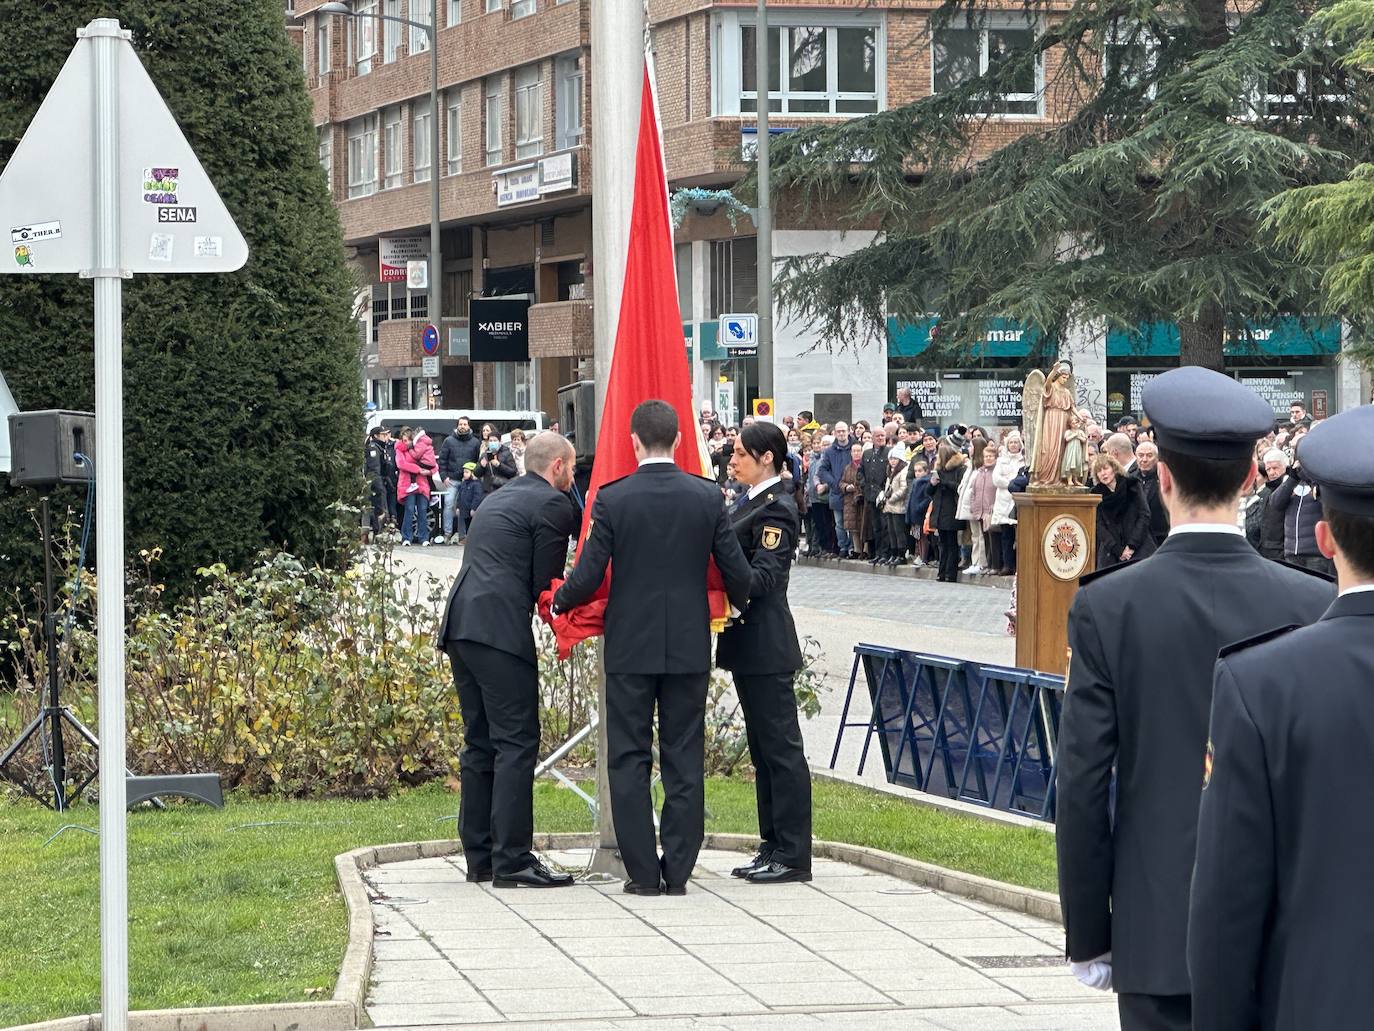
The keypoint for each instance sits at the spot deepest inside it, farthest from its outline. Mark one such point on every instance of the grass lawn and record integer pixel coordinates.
(239, 906)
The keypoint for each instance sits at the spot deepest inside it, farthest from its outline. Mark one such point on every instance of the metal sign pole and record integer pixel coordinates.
(109, 436)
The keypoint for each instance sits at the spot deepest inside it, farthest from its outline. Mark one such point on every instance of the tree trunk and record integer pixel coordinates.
(1200, 340)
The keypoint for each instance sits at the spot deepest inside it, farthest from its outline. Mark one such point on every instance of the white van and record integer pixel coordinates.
(439, 422)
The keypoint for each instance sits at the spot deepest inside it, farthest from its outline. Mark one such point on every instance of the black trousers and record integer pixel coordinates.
(898, 536)
(782, 780)
(379, 508)
(1009, 546)
(1155, 1012)
(949, 555)
(498, 694)
(681, 701)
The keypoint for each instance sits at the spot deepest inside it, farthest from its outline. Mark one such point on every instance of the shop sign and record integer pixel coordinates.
(557, 173)
(499, 329)
(1320, 404)
(935, 403)
(517, 185)
(1289, 335)
(394, 254)
(1004, 338)
(999, 399)
(1279, 391)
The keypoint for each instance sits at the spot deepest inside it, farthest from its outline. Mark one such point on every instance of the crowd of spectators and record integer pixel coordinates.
(899, 490)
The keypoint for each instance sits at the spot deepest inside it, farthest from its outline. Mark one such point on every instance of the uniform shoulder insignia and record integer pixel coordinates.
(1098, 574)
(771, 537)
(1310, 572)
(1250, 642)
(709, 479)
(612, 483)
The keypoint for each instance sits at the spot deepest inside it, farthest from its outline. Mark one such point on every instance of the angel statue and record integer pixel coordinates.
(1047, 405)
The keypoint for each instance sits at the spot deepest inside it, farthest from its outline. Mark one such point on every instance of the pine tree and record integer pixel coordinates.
(1142, 203)
(243, 410)
(1332, 224)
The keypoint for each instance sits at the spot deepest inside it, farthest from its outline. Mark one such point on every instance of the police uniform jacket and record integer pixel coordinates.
(517, 544)
(1280, 934)
(764, 639)
(1143, 639)
(661, 525)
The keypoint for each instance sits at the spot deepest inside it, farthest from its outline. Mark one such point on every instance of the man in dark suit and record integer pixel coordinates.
(659, 527)
(1140, 702)
(517, 544)
(1278, 933)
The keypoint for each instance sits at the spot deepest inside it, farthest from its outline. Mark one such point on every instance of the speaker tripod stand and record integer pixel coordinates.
(47, 725)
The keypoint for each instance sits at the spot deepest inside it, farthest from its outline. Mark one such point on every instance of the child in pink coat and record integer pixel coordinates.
(415, 463)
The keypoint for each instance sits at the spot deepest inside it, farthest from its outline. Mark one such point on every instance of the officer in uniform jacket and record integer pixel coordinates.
(761, 650)
(1282, 903)
(1143, 639)
(659, 527)
(517, 544)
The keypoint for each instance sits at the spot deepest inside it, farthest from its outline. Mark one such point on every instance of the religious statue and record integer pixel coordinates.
(1048, 409)
(1073, 467)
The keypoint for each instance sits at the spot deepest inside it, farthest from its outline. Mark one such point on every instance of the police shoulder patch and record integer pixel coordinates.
(1250, 642)
(771, 537)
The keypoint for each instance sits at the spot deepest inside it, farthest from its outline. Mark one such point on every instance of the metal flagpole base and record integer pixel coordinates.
(606, 862)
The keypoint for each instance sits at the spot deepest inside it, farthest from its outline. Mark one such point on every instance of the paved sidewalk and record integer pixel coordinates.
(852, 949)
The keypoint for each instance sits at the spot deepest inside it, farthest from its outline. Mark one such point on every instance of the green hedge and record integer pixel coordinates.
(243, 404)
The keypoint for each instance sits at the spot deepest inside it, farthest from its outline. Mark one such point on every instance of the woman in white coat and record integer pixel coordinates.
(1009, 465)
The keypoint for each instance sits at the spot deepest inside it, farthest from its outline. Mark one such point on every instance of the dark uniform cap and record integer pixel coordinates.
(1336, 457)
(1197, 412)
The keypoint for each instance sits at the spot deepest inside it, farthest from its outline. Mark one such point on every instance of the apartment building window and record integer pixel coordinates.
(391, 32)
(322, 37)
(454, 128)
(1310, 81)
(362, 156)
(521, 8)
(734, 275)
(492, 6)
(492, 114)
(961, 54)
(454, 15)
(529, 112)
(364, 30)
(393, 137)
(568, 101)
(831, 64)
(422, 126)
(423, 12)
(325, 148)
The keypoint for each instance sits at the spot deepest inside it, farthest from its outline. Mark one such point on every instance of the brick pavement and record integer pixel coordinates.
(852, 949)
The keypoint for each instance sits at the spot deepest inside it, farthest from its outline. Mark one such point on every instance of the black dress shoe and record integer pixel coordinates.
(480, 875)
(536, 875)
(760, 860)
(675, 889)
(631, 888)
(777, 873)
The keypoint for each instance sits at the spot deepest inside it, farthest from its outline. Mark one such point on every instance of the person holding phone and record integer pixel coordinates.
(496, 462)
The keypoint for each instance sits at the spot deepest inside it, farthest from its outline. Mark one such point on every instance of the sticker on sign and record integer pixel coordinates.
(37, 231)
(429, 367)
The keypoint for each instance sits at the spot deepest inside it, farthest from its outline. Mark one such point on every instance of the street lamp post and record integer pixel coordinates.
(763, 219)
(436, 285)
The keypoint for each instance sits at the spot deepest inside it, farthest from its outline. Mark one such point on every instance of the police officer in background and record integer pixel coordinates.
(1283, 898)
(761, 650)
(1141, 702)
(660, 527)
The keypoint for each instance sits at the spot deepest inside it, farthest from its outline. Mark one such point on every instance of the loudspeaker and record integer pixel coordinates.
(45, 445)
(577, 416)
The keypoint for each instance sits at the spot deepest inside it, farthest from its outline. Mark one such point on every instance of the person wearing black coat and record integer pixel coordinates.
(761, 651)
(1279, 921)
(873, 478)
(660, 527)
(1147, 472)
(1271, 524)
(517, 544)
(1123, 515)
(1136, 705)
(950, 470)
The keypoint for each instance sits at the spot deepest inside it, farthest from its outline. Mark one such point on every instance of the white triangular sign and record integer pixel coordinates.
(171, 217)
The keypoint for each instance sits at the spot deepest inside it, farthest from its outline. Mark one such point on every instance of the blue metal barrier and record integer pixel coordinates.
(976, 732)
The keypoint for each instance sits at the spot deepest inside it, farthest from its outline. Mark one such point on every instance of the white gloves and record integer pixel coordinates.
(1095, 973)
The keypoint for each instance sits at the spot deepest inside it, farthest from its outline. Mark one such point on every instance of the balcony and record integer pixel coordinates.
(561, 329)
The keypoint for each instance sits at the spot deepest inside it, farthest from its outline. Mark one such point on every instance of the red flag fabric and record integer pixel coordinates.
(650, 360)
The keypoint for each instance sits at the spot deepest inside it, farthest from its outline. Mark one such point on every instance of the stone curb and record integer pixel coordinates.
(908, 571)
(287, 1016)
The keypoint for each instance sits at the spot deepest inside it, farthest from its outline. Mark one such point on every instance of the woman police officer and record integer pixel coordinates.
(761, 651)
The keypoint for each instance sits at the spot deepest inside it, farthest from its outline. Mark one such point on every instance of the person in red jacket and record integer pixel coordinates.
(415, 462)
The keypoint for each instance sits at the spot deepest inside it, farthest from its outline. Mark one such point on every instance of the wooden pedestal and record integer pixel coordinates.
(1056, 543)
